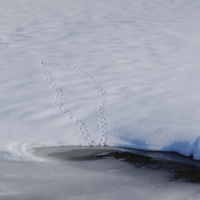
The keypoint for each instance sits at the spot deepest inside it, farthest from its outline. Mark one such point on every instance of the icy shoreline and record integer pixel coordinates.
(182, 168)
(87, 178)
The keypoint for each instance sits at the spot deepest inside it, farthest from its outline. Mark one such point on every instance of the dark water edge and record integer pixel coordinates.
(88, 173)
(182, 169)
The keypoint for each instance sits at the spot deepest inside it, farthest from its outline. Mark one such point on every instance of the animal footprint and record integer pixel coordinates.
(102, 120)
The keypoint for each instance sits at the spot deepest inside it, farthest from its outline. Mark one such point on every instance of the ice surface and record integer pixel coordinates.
(119, 73)
(99, 179)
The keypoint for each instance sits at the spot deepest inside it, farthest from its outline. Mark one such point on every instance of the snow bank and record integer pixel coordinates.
(100, 73)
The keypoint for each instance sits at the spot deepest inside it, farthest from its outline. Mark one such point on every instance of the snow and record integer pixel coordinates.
(119, 73)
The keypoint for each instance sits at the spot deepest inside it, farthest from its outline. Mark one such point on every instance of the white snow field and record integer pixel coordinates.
(110, 72)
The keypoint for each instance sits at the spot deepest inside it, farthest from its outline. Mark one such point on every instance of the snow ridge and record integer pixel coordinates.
(58, 102)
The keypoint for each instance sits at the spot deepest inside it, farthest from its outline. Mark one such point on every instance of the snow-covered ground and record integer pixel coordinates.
(109, 72)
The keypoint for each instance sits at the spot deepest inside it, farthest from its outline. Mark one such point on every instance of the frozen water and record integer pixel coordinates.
(87, 179)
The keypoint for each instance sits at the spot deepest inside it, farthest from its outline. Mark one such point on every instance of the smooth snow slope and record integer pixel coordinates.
(83, 72)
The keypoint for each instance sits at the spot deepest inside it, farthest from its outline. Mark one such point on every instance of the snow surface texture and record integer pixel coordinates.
(127, 74)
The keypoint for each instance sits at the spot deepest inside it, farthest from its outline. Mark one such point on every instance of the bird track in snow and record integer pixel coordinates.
(102, 121)
(58, 102)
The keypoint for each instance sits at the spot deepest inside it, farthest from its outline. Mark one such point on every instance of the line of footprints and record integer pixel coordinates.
(102, 119)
